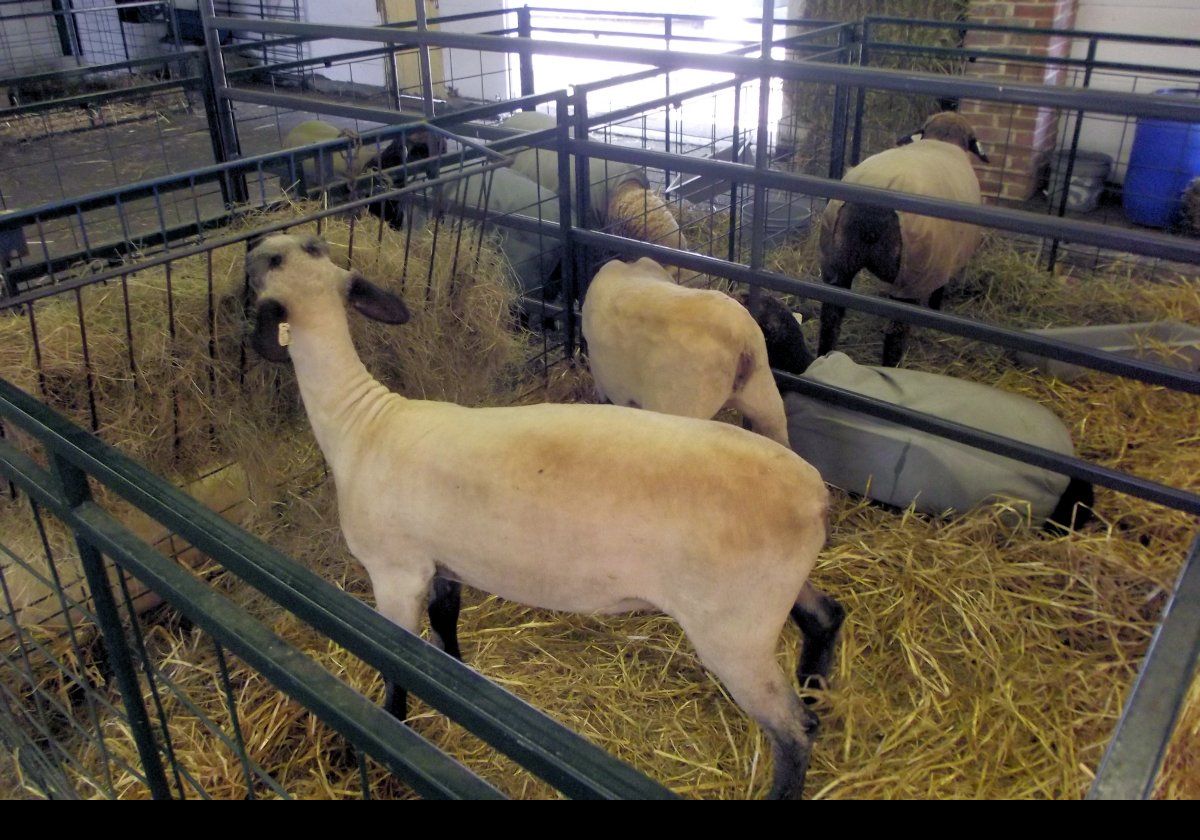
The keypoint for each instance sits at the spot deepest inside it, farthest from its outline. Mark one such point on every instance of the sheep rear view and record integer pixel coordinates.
(677, 350)
(716, 527)
(916, 254)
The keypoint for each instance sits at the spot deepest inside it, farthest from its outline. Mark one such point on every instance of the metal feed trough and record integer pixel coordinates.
(172, 224)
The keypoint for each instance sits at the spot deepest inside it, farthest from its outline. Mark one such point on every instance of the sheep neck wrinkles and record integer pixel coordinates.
(340, 395)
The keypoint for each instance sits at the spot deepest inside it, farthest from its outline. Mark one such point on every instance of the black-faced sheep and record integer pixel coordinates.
(917, 254)
(899, 466)
(715, 526)
(655, 345)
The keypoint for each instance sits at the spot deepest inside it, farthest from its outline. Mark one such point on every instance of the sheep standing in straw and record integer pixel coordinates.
(916, 254)
(691, 352)
(622, 201)
(715, 526)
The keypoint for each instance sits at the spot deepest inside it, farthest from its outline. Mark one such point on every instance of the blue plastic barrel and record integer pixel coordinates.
(1164, 159)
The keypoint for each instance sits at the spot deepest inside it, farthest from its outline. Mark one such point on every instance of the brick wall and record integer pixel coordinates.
(1016, 136)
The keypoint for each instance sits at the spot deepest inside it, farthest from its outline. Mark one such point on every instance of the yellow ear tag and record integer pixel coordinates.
(799, 318)
(285, 334)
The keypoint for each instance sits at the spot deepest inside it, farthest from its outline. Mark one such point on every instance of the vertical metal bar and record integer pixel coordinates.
(860, 102)
(74, 486)
(573, 285)
(392, 78)
(225, 137)
(568, 266)
(423, 57)
(667, 25)
(525, 57)
(736, 156)
(841, 109)
(234, 722)
(1132, 760)
(758, 222)
(1066, 182)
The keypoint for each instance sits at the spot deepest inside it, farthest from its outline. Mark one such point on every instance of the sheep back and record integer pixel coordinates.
(933, 250)
(646, 335)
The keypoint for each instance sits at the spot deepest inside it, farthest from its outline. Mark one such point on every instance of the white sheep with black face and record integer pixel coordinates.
(653, 344)
(585, 508)
(917, 254)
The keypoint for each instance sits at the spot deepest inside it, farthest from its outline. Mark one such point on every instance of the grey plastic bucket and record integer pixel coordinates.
(1087, 179)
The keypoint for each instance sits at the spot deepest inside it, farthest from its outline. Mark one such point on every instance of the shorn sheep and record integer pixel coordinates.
(899, 466)
(917, 254)
(715, 526)
(622, 201)
(691, 352)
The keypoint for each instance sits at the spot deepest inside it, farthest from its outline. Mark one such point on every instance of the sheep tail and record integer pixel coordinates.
(866, 222)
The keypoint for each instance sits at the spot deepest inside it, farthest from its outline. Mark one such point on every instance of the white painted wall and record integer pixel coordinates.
(474, 74)
(29, 45)
(1175, 18)
(345, 13)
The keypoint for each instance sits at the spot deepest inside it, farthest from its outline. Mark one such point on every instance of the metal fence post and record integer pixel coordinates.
(225, 137)
(1061, 210)
(841, 108)
(860, 103)
(73, 484)
(525, 31)
(424, 61)
(667, 92)
(569, 266)
(762, 149)
(583, 201)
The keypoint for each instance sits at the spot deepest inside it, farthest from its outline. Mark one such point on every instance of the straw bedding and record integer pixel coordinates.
(977, 660)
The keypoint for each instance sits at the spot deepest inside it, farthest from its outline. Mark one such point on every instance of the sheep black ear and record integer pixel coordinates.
(315, 246)
(908, 138)
(375, 303)
(977, 149)
(265, 339)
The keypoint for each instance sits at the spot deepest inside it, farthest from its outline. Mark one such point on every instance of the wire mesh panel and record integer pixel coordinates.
(1046, 158)
(165, 706)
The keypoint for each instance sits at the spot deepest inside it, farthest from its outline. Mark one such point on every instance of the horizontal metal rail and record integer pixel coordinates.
(102, 69)
(562, 758)
(1135, 753)
(1149, 372)
(1143, 242)
(428, 770)
(978, 53)
(100, 97)
(1142, 105)
(970, 26)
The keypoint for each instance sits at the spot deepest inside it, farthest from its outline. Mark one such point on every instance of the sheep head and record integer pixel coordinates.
(295, 283)
(786, 348)
(949, 127)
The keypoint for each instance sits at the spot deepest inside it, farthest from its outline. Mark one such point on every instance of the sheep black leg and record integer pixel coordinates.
(895, 338)
(935, 299)
(445, 603)
(819, 618)
(1074, 509)
(395, 700)
(831, 314)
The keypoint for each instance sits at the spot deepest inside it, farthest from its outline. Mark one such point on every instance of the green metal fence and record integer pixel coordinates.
(85, 694)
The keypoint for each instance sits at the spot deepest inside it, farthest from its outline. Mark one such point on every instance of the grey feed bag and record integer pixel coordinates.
(532, 255)
(900, 466)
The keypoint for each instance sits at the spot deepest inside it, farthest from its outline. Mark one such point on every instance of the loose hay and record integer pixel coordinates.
(977, 660)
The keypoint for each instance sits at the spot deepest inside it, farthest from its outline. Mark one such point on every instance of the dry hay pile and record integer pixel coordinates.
(887, 115)
(977, 660)
(28, 127)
